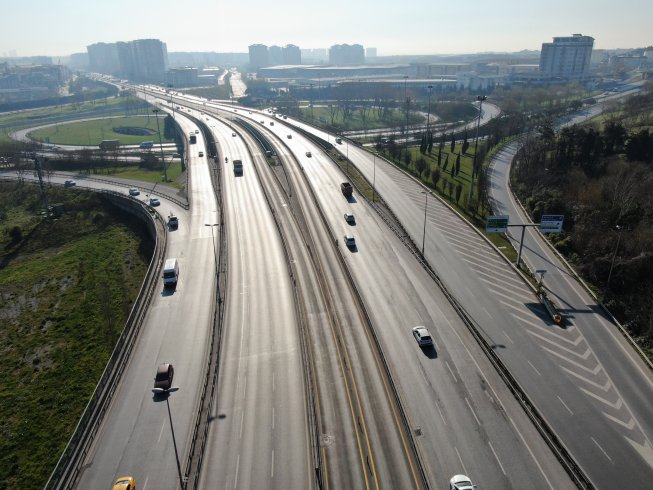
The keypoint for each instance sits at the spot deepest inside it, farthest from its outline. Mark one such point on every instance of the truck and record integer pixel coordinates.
(347, 189)
(170, 273)
(238, 167)
(109, 145)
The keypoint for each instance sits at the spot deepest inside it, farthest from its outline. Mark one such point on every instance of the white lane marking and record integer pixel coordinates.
(441, 414)
(487, 313)
(564, 405)
(534, 368)
(506, 334)
(452, 374)
(272, 469)
(602, 450)
(244, 386)
(272, 418)
(145, 484)
(496, 457)
(461, 461)
(163, 425)
(604, 387)
(472, 410)
(237, 466)
(514, 426)
(273, 386)
(242, 418)
(616, 405)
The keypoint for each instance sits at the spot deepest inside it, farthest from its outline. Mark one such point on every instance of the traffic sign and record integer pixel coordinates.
(497, 224)
(551, 223)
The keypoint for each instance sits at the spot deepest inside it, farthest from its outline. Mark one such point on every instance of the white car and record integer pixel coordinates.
(233, 134)
(461, 482)
(349, 218)
(134, 191)
(350, 241)
(423, 338)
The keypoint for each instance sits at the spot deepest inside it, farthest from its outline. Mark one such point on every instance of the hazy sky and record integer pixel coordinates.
(61, 27)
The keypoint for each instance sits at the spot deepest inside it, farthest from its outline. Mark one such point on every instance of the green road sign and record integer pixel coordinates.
(497, 224)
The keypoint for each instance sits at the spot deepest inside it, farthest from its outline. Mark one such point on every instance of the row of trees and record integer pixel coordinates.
(600, 178)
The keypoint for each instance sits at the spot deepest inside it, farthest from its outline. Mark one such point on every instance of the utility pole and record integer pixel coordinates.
(38, 164)
(165, 171)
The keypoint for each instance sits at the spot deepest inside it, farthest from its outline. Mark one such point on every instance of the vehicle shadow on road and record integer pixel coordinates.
(168, 291)
(430, 352)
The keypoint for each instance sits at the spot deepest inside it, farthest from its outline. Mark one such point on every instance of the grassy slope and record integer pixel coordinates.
(65, 296)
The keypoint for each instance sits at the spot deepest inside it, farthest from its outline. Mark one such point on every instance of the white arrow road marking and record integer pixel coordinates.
(604, 387)
(616, 405)
(644, 450)
(585, 355)
(593, 371)
(628, 426)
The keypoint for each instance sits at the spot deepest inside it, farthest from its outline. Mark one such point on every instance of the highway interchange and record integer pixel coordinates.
(320, 380)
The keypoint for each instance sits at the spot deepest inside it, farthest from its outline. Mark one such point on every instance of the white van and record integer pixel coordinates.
(170, 273)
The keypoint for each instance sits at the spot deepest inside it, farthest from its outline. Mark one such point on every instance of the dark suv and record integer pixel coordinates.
(164, 375)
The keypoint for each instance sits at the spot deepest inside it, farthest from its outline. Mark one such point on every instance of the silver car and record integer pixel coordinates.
(422, 336)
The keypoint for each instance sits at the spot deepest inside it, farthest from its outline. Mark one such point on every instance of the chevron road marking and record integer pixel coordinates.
(593, 371)
(605, 387)
(616, 405)
(584, 355)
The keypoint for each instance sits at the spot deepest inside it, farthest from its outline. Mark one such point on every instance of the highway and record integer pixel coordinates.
(440, 387)
(461, 415)
(604, 385)
(258, 436)
(143, 435)
(513, 321)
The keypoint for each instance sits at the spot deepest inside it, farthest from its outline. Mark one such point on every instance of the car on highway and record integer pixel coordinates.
(173, 221)
(350, 241)
(134, 191)
(70, 183)
(423, 338)
(289, 136)
(271, 123)
(285, 117)
(309, 154)
(461, 482)
(201, 154)
(339, 140)
(233, 134)
(164, 374)
(349, 218)
(154, 201)
(197, 131)
(125, 483)
(262, 122)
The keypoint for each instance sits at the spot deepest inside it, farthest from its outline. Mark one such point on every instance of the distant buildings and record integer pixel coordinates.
(261, 56)
(346, 54)
(142, 60)
(258, 56)
(20, 82)
(567, 58)
(370, 53)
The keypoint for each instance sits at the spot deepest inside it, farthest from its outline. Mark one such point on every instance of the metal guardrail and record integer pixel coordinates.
(68, 467)
(565, 458)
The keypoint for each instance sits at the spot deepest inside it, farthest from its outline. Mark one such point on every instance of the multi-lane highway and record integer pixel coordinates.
(320, 380)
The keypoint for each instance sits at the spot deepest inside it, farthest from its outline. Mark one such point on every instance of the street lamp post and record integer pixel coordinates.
(428, 114)
(374, 178)
(426, 201)
(480, 98)
(614, 255)
(406, 126)
(158, 128)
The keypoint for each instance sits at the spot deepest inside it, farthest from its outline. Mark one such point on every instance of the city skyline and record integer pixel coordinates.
(421, 28)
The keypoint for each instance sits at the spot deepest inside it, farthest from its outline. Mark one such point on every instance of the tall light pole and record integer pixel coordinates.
(158, 128)
(374, 178)
(614, 255)
(480, 98)
(428, 114)
(406, 126)
(426, 201)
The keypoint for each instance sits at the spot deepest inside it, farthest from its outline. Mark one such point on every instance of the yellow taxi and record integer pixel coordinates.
(125, 483)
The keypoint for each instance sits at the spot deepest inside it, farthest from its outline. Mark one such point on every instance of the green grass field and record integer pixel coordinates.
(67, 286)
(322, 117)
(94, 131)
(103, 107)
